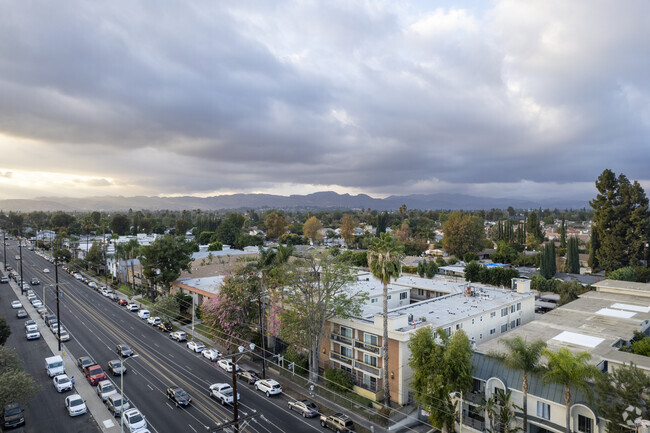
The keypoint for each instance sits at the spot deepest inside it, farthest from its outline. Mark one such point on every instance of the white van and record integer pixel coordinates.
(143, 314)
(54, 366)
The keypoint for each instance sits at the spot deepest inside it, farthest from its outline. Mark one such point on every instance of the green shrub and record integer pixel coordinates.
(338, 380)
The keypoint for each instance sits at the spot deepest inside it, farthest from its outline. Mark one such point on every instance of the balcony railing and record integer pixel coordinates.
(367, 368)
(341, 358)
(367, 347)
(475, 397)
(341, 338)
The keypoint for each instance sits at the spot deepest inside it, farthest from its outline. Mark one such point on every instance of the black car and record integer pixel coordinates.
(124, 351)
(13, 416)
(178, 396)
(35, 282)
(85, 361)
(165, 326)
(249, 376)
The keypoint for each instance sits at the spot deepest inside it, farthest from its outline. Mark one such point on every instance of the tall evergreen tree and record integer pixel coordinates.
(573, 258)
(595, 245)
(533, 227)
(547, 267)
(563, 233)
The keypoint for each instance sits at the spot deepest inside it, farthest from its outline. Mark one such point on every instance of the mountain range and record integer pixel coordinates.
(318, 200)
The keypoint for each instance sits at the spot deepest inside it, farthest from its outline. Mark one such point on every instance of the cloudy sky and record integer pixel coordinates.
(528, 99)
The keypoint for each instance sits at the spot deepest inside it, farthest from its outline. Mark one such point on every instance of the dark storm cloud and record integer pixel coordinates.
(195, 97)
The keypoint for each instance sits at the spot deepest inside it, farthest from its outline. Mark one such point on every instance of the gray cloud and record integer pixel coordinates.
(388, 99)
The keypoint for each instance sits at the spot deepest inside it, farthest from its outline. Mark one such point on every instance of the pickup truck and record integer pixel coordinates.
(222, 392)
(338, 422)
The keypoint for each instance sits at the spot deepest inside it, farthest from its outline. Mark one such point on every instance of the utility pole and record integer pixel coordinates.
(56, 286)
(4, 246)
(263, 337)
(20, 247)
(192, 317)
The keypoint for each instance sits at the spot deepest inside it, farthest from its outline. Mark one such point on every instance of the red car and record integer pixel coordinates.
(94, 374)
(122, 302)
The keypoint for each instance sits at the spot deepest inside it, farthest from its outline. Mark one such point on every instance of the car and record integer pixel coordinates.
(78, 276)
(29, 323)
(268, 386)
(227, 364)
(62, 383)
(211, 354)
(35, 281)
(13, 416)
(114, 297)
(37, 303)
(107, 292)
(178, 396)
(166, 327)
(222, 392)
(85, 361)
(32, 334)
(178, 336)
(116, 367)
(132, 307)
(26, 286)
(92, 284)
(46, 270)
(21, 314)
(4, 280)
(31, 296)
(49, 318)
(16, 304)
(306, 408)
(9, 268)
(134, 420)
(153, 321)
(75, 405)
(249, 376)
(196, 346)
(115, 406)
(105, 388)
(143, 314)
(41, 311)
(94, 374)
(63, 335)
(123, 302)
(54, 327)
(124, 351)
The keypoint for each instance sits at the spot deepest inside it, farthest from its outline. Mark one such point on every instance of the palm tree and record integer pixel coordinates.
(384, 260)
(571, 371)
(524, 356)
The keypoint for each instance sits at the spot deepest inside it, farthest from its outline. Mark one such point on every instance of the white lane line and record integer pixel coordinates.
(169, 406)
(171, 355)
(149, 386)
(188, 368)
(156, 344)
(192, 428)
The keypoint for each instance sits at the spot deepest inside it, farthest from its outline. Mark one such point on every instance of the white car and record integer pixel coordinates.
(32, 326)
(92, 284)
(46, 271)
(33, 334)
(211, 354)
(29, 323)
(268, 386)
(196, 346)
(227, 364)
(153, 321)
(107, 292)
(132, 307)
(16, 305)
(78, 276)
(62, 383)
(144, 314)
(64, 335)
(105, 388)
(134, 420)
(75, 405)
(37, 303)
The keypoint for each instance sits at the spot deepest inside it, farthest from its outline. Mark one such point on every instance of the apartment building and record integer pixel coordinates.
(355, 345)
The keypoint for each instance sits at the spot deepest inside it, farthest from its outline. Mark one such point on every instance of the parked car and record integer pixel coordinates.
(222, 392)
(32, 334)
(153, 321)
(134, 420)
(13, 416)
(94, 374)
(85, 361)
(143, 314)
(62, 383)
(166, 327)
(227, 364)
(132, 307)
(337, 422)
(21, 314)
(105, 388)
(178, 336)
(268, 386)
(249, 376)
(178, 396)
(75, 405)
(211, 354)
(115, 406)
(16, 304)
(124, 351)
(63, 335)
(306, 408)
(4, 280)
(123, 302)
(116, 367)
(196, 346)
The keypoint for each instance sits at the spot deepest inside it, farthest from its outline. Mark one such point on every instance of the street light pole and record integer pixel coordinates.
(4, 246)
(122, 362)
(20, 247)
(460, 409)
(56, 287)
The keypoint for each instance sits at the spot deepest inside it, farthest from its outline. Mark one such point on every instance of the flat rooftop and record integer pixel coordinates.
(595, 322)
(207, 284)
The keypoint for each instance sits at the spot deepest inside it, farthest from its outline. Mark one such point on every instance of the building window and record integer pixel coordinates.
(370, 339)
(374, 300)
(472, 321)
(512, 308)
(512, 324)
(480, 336)
(348, 369)
(448, 330)
(504, 312)
(389, 296)
(585, 424)
(346, 351)
(420, 292)
(518, 306)
(481, 319)
(346, 332)
(518, 322)
(543, 410)
(504, 327)
(370, 360)
(492, 314)
(493, 330)
(403, 295)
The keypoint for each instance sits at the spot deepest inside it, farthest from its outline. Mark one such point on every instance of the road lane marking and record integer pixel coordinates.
(149, 386)
(171, 355)
(192, 428)
(169, 406)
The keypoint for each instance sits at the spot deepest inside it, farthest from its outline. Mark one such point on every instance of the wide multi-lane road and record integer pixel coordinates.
(97, 325)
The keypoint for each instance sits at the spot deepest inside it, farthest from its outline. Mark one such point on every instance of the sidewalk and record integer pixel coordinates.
(106, 422)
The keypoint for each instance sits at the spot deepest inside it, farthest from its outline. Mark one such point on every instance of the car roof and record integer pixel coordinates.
(105, 382)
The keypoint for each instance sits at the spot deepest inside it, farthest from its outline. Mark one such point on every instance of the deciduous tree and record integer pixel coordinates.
(166, 307)
(347, 228)
(276, 225)
(463, 233)
(311, 229)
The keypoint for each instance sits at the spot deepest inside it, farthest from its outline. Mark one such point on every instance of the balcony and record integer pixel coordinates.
(367, 368)
(475, 397)
(341, 338)
(340, 358)
(367, 347)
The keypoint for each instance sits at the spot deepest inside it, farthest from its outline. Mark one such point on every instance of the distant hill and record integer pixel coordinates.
(318, 200)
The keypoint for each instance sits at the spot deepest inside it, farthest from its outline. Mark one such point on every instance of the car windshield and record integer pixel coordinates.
(12, 411)
(180, 393)
(310, 405)
(64, 380)
(76, 402)
(108, 388)
(135, 418)
(95, 371)
(56, 364)
(116, 364)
